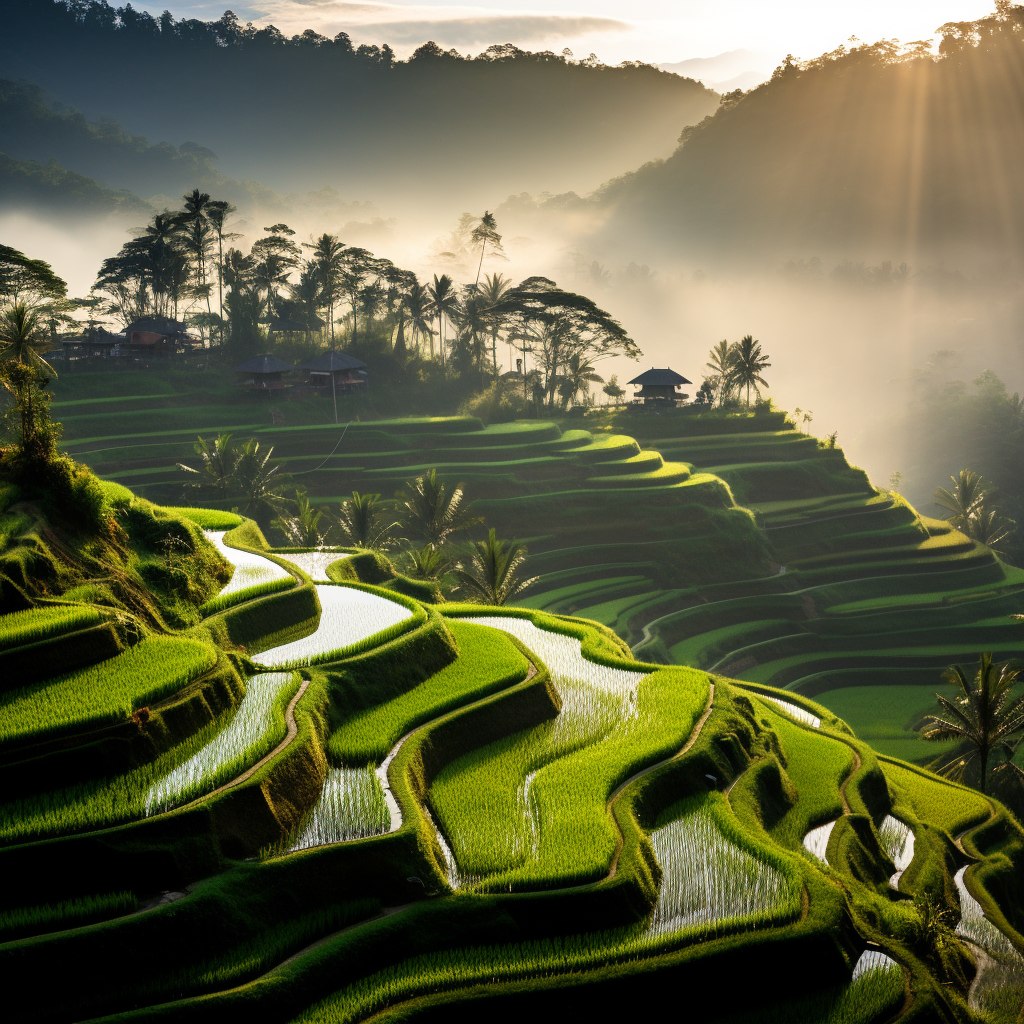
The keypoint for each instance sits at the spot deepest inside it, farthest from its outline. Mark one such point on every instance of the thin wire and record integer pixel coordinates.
(331, 456)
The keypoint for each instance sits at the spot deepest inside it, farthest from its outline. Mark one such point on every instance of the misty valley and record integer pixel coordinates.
(490, 531)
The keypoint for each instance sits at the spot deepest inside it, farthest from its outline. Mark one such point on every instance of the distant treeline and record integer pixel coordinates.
(879, 151)
(308, 109)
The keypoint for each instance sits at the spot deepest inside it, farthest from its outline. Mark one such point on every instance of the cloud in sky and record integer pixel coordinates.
(461, 26)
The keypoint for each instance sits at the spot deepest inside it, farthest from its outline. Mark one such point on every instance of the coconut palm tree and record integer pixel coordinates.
(430, 510)
(964, 501)
(578, 376)
(262, 485)
(721, 363)
(417, 308)
(491, 571)
(218, 212)
(303, 528)
(486, 231)
(989, 527)
(443, 302)
(495, 288)
(328, 263)
(217, 461)
(362, 520)
(984, 718)
(23, 332)
(427, 563)
(748, 362)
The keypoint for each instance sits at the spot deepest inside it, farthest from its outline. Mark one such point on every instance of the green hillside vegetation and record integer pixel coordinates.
(53, 187)
(515, 99)
(490, 809)
(888, 140)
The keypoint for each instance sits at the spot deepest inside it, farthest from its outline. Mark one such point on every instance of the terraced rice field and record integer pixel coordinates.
(410, 810)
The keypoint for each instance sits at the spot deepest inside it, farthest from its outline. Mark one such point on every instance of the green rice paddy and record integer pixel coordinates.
(479, 811)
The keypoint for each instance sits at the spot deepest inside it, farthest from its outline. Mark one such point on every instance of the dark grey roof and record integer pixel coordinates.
(264, 364)
(333, 361)
(156, 324)
(660, 378)
(286, 325)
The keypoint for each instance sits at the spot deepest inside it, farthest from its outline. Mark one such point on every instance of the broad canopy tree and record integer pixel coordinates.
(559, 326)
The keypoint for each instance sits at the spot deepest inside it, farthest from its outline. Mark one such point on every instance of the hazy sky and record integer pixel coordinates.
(651, 30)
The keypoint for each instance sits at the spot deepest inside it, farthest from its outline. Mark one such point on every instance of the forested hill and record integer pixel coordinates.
(876, 153)
(55, 190)
(303, 112)
(32, 129)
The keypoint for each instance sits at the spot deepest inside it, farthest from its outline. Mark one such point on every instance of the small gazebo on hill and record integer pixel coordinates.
(343, 373)
(263, 373)
(659, 387)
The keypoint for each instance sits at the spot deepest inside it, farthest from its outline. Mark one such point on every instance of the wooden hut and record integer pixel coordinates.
(159, 336)
(263, 374)
(659, 387)
(336, 372)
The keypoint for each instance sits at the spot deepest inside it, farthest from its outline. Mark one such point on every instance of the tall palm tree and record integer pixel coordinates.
(984, 718)
(486, 231)
(748, 362)
(432, 511)
(495, 288)
(964, 501)
(443, 302)
(491, 572)
(721, 364)
(23, 332)
(198, 235)
(417, 308)
(270, 275)
(471, 318)
(218, 212)
(328, 262)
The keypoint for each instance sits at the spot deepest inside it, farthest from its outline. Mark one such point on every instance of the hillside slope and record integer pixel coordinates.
(876, 153)
(407, 809)
(728, 543)
(301, 113)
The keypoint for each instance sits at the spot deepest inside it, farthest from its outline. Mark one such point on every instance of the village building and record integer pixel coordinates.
(158, 336)
(263, 374)
(93, 344)
(336, 373)
(659, 387)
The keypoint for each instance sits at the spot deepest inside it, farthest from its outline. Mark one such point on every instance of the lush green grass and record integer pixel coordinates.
(39, 623)
(488, 661)
(208, 758)
(817, 765)
(942, 804)
(885, 716)
(208, 518)
(105, 693)
(21, 922)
